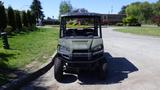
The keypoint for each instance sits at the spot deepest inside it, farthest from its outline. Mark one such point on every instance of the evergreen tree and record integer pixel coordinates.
(29, 16)
(36, 9)
(33, 19)
(11, 18)
(123, 10)
(18, 20)
(24, 19)
(3, 18)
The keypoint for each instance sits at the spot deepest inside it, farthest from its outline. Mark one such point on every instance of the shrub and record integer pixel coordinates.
(8, 29)
(25, 29)
(124, 21)
(131, 21)
(156, 20)
(56, 22)
(119, 24)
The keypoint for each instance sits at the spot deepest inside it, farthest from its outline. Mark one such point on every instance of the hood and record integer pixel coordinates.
(80, 44)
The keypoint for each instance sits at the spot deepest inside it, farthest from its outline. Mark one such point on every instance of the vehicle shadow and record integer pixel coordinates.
(118, 70)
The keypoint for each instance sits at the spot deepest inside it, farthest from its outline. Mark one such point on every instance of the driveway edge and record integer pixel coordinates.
(16, 84)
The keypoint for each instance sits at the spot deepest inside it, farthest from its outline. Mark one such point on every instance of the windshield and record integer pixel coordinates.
(80, 27)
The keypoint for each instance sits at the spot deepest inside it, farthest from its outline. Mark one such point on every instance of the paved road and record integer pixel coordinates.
(134, 64)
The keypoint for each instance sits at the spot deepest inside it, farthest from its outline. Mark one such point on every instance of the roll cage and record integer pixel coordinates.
(96, 24)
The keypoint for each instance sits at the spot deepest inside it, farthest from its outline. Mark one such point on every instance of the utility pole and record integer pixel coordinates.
(111, 9)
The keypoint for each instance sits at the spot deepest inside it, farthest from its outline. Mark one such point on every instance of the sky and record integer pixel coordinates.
(51, 7)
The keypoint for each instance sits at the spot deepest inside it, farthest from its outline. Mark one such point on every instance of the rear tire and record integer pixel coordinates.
(58, 69)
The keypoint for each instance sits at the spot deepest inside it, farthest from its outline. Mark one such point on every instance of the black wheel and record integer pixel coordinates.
(103, 70)
(58, 69)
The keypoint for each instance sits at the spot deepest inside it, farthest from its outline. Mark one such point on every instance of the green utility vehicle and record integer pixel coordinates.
(80, 46)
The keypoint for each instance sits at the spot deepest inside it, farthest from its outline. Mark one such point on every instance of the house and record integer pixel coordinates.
(112, 19)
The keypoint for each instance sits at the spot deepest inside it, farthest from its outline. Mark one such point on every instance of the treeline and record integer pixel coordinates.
(15, 21)
(144, 12)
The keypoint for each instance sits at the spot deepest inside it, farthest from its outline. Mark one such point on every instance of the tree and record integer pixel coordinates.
(18, 20)
(65, 7)
(143, 11)
(133, 10)
(80, 10)
(123, 10)
(156, 20)
(125, 21)
(146, 11)
(11, 18)
(33, 19)
(130, 20)
(156, 8)
(29, 17)
(36, 9)
(3, 18)
(24, 19)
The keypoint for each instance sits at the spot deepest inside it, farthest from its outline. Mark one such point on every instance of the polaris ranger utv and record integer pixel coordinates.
(80, 46)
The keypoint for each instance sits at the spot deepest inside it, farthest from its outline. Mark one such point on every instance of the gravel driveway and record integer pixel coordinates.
(134, 64)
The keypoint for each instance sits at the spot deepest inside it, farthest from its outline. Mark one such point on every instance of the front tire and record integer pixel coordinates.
(103, 70)
(58, 69)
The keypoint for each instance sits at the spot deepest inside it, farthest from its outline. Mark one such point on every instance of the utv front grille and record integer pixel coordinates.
(81, 56)
(80, 51)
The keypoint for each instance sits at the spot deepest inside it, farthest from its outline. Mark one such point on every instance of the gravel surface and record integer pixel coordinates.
(133, 64)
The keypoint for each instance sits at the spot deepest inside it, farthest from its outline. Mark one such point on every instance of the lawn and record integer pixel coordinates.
(25, 48)
(144, 30)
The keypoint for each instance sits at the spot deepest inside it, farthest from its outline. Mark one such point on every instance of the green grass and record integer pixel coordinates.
(24, 48)
(151, 31)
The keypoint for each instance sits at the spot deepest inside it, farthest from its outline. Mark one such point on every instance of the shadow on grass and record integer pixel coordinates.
(22, 32)
(4, 59)
(6, 72)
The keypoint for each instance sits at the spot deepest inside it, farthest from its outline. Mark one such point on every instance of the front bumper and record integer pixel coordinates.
(89, 57)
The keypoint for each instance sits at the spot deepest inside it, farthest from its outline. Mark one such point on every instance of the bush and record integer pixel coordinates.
(47, 22)
(119, 24)
(25, 29)
(131, 21)
(8, 29)
(124, 21)
(156, 20)
(56, 22)
(134, 24)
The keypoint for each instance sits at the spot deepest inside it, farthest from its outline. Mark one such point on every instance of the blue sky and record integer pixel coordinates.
(51, 7)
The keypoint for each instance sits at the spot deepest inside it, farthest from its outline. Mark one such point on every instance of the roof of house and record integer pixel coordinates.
(80, 15)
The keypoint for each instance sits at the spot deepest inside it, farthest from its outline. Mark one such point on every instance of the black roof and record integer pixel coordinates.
(81, 15)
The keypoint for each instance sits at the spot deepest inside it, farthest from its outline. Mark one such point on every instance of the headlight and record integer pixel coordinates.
(97, 48)
(64, 49)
